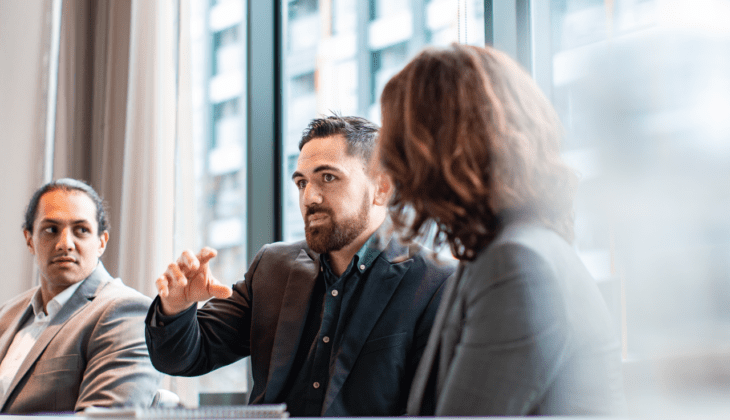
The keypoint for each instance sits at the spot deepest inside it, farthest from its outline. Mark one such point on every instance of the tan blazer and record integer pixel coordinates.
(92, 354)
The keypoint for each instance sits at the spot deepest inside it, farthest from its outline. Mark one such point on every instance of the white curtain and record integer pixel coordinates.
(148, 178)
(24, 73)
(158, 112)
(123, 125)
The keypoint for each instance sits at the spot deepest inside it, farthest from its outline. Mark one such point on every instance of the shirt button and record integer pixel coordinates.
(326, 339)
(315, 385)
(335, 293)
(362, 267)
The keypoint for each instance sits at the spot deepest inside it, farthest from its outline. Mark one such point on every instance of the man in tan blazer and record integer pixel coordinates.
(76, 340)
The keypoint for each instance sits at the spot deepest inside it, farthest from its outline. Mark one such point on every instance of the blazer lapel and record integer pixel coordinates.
(426, 365)
(295, 305)
(377, 290)
(81, 297)
(23, 311)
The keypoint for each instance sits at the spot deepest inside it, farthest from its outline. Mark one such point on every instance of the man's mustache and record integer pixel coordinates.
(318, 209)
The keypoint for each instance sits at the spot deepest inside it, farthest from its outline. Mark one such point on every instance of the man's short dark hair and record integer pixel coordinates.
(360, 134)
(66, 184)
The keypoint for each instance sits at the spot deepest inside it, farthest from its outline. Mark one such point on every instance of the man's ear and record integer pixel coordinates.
(103, 239)
(383, 189)
(29, 241)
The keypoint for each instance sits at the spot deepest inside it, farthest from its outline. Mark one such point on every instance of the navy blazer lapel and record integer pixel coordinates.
(384, 278)
(426, 365)
(81, 297)
(294, 307)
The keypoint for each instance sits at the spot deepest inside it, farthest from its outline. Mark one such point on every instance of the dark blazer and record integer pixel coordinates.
(91, 354)
(521, 330)
(380, 341)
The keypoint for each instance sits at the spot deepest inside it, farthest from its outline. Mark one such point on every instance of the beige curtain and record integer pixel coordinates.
(92, 102)
(119, 126)
(123, 125)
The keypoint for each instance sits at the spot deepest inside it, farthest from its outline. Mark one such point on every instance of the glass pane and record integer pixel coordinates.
(218, 61)
(643, 88)
(338, 55)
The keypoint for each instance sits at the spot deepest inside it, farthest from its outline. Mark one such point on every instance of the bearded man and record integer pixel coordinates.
(336, 325)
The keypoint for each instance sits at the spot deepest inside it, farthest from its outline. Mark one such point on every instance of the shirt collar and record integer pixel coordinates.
(56, 303)
(364, 257)
(369, 252)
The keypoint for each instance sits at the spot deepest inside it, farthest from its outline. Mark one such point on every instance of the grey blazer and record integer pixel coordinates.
(521, 330)
(92, 354)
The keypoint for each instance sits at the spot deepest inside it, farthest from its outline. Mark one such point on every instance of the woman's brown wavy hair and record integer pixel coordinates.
(469, 139)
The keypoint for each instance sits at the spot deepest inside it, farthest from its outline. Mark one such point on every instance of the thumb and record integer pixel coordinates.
(219, 290)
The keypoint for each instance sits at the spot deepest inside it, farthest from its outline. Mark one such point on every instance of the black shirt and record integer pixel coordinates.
(333, 299)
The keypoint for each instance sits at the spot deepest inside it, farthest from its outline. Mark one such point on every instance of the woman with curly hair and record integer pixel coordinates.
(473, 148)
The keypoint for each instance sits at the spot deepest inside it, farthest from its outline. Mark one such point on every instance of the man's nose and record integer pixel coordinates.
(311, 195)
(65, 240)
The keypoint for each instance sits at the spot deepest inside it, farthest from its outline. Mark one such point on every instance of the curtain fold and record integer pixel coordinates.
(148, 162)
(123, 125)
(92, 102)
(110, 104)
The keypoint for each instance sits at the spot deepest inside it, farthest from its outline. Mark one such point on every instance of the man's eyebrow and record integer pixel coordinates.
(326, 168)
(319, 168)
(53, 221)
(58, 222)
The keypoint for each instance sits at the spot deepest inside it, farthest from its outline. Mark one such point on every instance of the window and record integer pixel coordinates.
(338, 55)
(218, 41)
(640, 86)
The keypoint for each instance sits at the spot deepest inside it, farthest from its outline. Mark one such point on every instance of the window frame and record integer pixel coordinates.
(264, 114)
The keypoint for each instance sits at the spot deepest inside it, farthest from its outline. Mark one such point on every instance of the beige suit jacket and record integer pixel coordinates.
(92, 354)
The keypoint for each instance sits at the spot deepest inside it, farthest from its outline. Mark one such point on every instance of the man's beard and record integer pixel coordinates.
(334, 235)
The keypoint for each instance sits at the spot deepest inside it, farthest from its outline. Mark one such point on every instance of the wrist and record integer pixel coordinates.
(167, 308)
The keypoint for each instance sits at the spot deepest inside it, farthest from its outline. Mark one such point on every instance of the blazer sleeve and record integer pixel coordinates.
(198, 341)
(118, 369)
(510, 337)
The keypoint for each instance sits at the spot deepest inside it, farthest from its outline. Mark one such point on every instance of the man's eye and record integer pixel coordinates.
(50, 229)
(301, 184)
(328, 177)
(83, 229)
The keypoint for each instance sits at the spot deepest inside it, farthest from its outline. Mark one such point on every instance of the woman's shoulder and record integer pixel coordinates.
(530, 251)
(529, 235)
(523, 240)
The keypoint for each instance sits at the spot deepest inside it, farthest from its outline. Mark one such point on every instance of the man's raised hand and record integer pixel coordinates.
(188, 281)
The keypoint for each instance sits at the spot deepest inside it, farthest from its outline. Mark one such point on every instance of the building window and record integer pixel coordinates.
(218, 42)
(338, 55)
